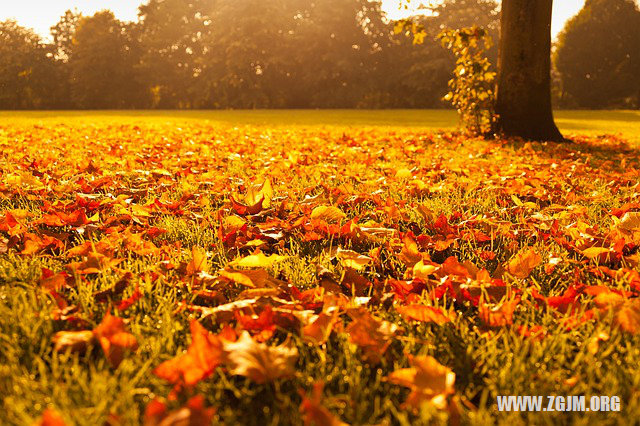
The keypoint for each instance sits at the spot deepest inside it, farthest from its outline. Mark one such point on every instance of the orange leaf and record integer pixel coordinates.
(51, 417)
(198, 261)
(319, 330)
(193, 414)
(203, 356)
(523, 263)
(113, 338)
(372, 335)
(425, 313)
(313, 411)
(497, 315)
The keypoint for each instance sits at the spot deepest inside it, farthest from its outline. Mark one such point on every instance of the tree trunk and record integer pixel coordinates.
(524, 80)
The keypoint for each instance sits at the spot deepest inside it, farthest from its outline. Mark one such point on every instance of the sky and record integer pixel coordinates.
(42, 14)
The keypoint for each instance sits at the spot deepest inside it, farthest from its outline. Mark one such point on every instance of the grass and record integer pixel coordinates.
(401, 178)
(625, 123)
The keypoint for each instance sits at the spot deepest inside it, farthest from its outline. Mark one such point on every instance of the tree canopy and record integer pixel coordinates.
(598, 55)
(286, 54)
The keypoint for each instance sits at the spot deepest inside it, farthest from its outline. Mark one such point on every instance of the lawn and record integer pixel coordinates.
(625, 123)
(250, 267)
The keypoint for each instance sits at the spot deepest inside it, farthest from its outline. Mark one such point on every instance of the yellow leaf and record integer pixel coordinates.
(422, 271)
(327, 213)
(352, 259)
(403, 174)
(254, 278)
(428, 380)
(594, 252)
(258, 260)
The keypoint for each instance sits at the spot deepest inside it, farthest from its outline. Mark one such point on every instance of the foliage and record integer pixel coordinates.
(25, 68)
(165, 270)
(473, 85)
(250, 54)
(101, 64)
(598, 56)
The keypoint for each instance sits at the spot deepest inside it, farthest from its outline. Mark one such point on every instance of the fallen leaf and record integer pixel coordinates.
(258, 260)
(319, 330)
(113, 338)
(198, 261)
(428, 380)
(193, 414)
(74, 341)
(372, 335)
(259, 362)
(497, 315)
(425, 313)
(51, 417)
(314, 413)
(327, 213)
(523, 263)
(204, 354)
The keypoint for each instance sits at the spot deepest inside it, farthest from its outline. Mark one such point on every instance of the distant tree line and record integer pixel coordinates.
(287, 54)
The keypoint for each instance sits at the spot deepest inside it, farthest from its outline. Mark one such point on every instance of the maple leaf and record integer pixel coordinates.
(497, 315)
(51, 281)
(198, 262)
(193, 414)
(523, 263)
(630, 221)
(599, 253)
(627, 316)
(372, 335)
(113, 338)
(319, 329)
(258, 260)
(257, 193)
(254, 278)
(246, 210)
(327, 213)
(50, 417)
(74, 341)
(410, 255)
(258, 361)
(352, 259)
(428, 380)
(93, 264)
(313, 411)
(423, 271)
(425, 313)
(203, 356)
(626, 312)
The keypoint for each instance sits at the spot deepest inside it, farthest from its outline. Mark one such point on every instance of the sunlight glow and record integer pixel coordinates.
(42, 14)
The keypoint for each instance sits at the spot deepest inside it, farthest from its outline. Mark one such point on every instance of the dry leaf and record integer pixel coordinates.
(198, 261)
(425, 313)
(259, 362)
(428, 381)
(523, 263)
(203, 356)
(113, 338)
(258, 260)
(372, 335)
(327, 213)
(314, 413)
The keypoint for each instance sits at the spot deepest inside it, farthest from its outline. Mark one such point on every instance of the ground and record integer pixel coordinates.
(280, 267)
